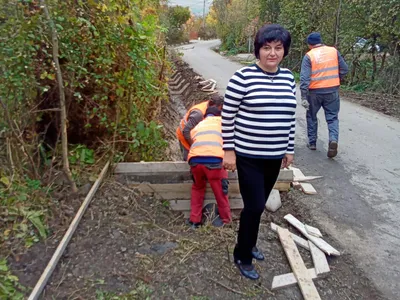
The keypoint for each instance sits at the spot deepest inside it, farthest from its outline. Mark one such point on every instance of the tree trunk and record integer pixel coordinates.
(373, 53)
(382, 62)
(63, 125)
(337, 27)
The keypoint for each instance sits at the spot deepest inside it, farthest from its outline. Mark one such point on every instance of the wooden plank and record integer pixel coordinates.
(312, 230)
(289, 279)
(67, 236)
(306, 178)
(184, 205)
(305, 282)
(156, 168)
(183, 190)
(298, 240)
(319, 259)
(308, 188)
(320, 243)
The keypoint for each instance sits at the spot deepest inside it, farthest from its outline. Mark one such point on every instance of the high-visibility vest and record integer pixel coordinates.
(179, 131)
(324, 67)
(207, 139)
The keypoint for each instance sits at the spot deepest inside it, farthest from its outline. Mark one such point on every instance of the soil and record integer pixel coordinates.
(130, 245)
(387, 104)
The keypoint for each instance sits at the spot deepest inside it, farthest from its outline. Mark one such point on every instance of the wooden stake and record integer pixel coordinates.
(67, 237)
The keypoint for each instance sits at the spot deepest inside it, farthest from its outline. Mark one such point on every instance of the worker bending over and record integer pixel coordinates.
(193, 117)
(205, 160)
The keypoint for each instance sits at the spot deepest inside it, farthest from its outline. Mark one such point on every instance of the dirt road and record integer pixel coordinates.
(358, 201)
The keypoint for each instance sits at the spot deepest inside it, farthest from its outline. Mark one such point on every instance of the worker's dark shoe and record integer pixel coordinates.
(192, 225)
(312, 146)
(247, 271)
(257, 254)
(217, 222)
(333, 149)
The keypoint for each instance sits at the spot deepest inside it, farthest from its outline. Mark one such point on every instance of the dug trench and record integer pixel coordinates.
(130, 245)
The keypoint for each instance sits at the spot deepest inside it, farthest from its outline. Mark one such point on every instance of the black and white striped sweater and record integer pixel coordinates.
(258, 115)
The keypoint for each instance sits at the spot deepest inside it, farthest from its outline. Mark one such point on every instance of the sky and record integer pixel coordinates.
(196, 6)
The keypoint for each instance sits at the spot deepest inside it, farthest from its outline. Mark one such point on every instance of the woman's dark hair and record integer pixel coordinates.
(272, 33)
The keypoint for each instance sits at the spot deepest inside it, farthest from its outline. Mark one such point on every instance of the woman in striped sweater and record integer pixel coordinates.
(258, 129)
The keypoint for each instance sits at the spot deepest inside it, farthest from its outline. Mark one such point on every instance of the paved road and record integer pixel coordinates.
(358, 201)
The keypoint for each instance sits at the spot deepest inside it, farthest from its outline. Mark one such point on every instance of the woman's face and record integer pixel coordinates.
(271, 54)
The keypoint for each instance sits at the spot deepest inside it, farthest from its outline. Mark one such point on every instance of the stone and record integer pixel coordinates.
(274, 201)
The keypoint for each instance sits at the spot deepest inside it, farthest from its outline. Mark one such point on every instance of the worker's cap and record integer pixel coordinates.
(314, 38)
(213, 110)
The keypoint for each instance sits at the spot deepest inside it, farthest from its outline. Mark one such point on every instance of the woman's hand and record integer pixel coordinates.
(287, 160)
(229, 162)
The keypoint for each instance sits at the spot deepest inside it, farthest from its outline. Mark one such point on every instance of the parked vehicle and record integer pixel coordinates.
(362, 43)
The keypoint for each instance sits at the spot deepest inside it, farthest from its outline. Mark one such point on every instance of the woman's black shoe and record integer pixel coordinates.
(257, 254)
(247, 271)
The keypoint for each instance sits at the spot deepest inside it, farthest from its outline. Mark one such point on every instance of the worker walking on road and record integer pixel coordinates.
(205, 160)
(193, 117)
(321, 71)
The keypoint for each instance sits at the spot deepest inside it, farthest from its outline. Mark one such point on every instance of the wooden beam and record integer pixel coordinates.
(305, 282)
(319, 259)
(175, 191)
(289, 279)
(67, 236)
(308, 188)
(320, 243)
(298, 240)
(175, 167)
(313, 230)
(184, 205)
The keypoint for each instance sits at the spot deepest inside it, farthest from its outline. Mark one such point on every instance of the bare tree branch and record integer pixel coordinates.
(64, 138)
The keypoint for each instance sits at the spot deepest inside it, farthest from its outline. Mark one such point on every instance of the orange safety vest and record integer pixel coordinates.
(207, 139)
(179, 131)
(324, 67)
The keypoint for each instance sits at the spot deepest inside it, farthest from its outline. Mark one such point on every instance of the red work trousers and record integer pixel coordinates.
(214, 176)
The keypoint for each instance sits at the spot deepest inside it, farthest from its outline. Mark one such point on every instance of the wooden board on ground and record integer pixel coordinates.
(169, 172)
(183, 190)
(321, 265)
(298, 240)
(289, 279)
(299, 269)
(308, 188)
(66, 238)
(320, 243)
(313, 231)
(184, 205)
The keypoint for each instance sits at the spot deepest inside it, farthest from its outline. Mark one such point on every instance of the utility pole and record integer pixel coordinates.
(204, 14)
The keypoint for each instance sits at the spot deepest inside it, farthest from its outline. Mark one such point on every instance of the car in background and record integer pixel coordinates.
(362, 43)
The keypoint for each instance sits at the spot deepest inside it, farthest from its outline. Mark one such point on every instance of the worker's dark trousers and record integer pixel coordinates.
(185, 152)
(215, 177)
(257, 177)
(331, 105)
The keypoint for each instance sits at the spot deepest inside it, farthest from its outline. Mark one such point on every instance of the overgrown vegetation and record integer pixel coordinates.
(112, 57)
(175, 19)
(366, 32)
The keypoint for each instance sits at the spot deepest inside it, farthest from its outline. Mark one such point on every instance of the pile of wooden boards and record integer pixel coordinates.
(318, 248)
(171, 181)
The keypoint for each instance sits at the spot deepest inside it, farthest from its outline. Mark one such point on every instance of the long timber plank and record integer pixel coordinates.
(183, 190)
(184, 205)
(169, 172)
